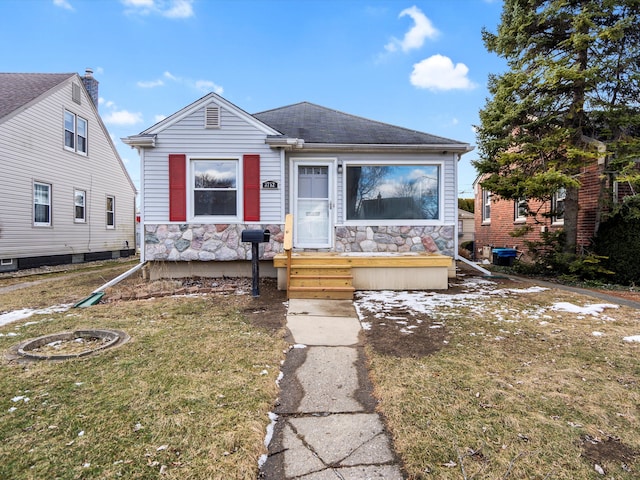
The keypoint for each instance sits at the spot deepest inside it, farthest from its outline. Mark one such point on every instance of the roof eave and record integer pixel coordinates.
(460, 148)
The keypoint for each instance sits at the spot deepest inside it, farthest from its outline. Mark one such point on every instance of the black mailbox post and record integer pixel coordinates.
(255, 237)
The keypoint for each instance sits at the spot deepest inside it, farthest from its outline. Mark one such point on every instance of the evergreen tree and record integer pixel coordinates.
(573, 76)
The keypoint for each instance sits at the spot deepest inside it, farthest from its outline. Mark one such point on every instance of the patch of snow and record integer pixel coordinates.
(590, 309)
(632, 338)
(16, 315)
(299, 345)
(267, 439)
(597, 334)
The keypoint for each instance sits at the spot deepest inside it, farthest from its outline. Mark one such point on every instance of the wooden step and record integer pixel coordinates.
(321, 281)
(329, 293)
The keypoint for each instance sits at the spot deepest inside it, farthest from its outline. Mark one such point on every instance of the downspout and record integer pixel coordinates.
(141, 152)
(98, 293)
(457, 256)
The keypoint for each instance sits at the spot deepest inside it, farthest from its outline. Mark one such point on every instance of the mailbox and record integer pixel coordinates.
(256, 236)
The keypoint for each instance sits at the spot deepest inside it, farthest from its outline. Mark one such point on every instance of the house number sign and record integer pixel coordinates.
(270, 185)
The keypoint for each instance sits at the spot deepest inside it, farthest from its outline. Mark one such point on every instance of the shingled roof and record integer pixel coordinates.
(316, 124)
(18, 89)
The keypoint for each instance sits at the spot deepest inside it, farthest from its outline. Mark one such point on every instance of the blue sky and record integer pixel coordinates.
(419, 64)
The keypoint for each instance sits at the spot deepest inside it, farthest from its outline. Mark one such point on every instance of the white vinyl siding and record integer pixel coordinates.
(32, 149)
(234, 139)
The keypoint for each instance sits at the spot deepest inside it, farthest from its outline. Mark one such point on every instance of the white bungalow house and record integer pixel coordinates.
(65, 195)
(377, 198)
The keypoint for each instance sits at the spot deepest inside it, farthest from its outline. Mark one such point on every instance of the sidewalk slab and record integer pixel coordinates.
(351, 446)
(321, 330)
(324, 308)
(330, 380)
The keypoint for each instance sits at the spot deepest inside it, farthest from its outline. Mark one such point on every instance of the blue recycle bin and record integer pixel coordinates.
(504, 256)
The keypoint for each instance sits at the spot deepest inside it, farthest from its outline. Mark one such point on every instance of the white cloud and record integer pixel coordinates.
(150, 83)
(199, 85)
(122, 117)
(164, 8)
(159, 118)
(439, 73)
(63, 4)
(179, 9)
(169, 76)
(415, 37)
(208, 86)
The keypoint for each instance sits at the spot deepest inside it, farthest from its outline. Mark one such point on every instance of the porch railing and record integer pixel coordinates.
(288, 245)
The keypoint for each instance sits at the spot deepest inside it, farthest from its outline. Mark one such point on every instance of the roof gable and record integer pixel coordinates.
(201, 103)
(19, 89)
(316, 124)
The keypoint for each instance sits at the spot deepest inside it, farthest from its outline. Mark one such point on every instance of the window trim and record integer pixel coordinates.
(237, 218)
(82, 219)
(517, 217)
(112, 225)
(74, 133)
(400, 221)
(486, 206)
(49, 205)
(555, 220)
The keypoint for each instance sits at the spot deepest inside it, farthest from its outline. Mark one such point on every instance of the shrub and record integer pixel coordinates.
(618, 239)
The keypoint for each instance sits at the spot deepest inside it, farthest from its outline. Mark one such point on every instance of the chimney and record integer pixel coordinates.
(91, 84)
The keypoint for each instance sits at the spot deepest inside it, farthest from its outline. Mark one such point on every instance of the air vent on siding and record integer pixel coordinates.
(212, 116)
(75, 93)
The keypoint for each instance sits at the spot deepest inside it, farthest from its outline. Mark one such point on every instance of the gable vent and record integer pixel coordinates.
(212, 116)
(75, 93)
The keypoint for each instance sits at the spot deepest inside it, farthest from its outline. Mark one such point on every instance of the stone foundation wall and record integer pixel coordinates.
(202, 242)
(205, 242)
(439, 239)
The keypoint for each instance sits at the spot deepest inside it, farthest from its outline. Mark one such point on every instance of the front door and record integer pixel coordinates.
(313, 204)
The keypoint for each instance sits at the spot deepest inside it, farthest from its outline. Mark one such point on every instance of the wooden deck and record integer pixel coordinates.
(338, 275)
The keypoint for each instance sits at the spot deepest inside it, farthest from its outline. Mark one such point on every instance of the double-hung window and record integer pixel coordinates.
(41, 204)
(75, 133)
(520, 210)
(486, 206)
(557, 205)
(214, 186)
(389, 193)
(79, 202)
(111, 212)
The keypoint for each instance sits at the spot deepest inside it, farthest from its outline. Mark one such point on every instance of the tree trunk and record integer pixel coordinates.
(571, 220)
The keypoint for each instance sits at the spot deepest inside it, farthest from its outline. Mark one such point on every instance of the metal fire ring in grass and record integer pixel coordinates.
(68, 345)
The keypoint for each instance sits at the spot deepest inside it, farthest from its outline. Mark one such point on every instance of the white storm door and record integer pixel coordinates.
(313, 204)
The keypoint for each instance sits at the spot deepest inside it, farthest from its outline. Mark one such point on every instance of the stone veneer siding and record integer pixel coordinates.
(395, 239)
(206, 242)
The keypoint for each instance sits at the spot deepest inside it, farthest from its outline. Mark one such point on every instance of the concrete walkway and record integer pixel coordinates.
(327, 427)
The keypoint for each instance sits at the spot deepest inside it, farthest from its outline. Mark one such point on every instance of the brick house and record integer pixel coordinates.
(496, 218)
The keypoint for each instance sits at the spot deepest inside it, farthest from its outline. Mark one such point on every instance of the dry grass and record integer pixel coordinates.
(517, 390)
(187, 397)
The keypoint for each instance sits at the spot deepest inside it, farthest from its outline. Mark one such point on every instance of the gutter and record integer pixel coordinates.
(98, 293)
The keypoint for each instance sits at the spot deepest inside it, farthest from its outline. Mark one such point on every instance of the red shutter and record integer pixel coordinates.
(177, 188)
(251, 185)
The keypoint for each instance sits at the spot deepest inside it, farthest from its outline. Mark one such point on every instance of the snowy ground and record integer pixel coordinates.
(475, 294)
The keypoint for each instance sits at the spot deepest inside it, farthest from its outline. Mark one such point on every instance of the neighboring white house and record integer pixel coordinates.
(354, 186)
(65, 195)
